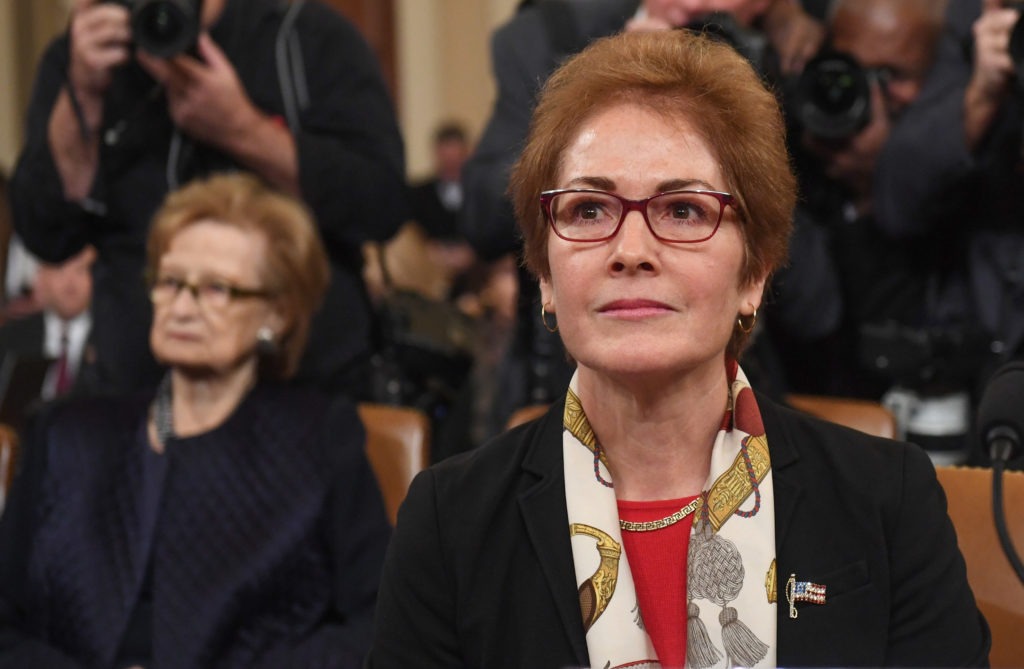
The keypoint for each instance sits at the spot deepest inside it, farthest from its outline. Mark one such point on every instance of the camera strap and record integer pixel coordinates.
(291, 69)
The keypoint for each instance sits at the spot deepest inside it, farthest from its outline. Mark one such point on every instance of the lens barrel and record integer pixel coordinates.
(833, 96)
(165, 28)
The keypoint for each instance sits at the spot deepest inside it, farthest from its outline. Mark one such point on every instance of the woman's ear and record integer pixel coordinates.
(547, 294)
(277, 319)
(752, 294)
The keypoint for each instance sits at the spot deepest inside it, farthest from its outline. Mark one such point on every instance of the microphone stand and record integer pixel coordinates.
(1001, 449)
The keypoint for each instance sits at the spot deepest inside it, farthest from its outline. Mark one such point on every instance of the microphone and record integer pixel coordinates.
(1000, 417)
(1000, 429)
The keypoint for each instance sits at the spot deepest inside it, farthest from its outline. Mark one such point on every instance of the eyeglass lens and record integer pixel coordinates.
(683, 216)
(214, 294)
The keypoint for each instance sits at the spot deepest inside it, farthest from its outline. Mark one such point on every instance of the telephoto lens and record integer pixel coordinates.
(165, 28)
(833, 96)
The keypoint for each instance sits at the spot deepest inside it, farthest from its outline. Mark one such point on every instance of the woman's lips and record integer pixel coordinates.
(635, 309)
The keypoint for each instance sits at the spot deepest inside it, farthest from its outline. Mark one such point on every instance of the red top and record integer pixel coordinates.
(657, 560)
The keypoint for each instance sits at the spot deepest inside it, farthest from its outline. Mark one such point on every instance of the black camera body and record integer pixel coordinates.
(832, 97)
(750, 43)
(164, 28)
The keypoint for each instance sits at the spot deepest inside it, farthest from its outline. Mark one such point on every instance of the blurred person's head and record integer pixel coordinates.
(451, 148)
(66, 288)
(237, 270)
(678, 13)
(713, 115)
(896, 38)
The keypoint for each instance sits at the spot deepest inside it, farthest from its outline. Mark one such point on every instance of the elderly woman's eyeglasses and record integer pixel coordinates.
(676, 217)
(213, 294)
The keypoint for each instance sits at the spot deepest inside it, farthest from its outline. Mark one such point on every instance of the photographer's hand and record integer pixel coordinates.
(993, 70)
(207, 101)
(99, 38)
(853, 161)
(794, 34)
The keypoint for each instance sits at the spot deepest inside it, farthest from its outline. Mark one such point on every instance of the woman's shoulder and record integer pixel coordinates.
(99, 413)
(504, 465)
(838, 453)
(288, 412)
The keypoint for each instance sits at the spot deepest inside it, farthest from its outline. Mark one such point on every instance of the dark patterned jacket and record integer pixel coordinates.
(256, 544)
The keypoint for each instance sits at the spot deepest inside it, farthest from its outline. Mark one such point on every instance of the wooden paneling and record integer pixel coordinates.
(376, 20)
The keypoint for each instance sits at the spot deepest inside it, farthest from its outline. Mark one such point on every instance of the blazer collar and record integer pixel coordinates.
(785, 460)
(542, 505)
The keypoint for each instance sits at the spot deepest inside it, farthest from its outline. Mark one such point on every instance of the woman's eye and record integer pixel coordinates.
(216, 289)
(169, 282)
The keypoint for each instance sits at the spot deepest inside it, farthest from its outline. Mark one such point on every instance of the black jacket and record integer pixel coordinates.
(256, 544)
(351, 173)
(480, 574)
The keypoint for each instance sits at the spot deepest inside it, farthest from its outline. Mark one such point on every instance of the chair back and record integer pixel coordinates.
(997, 589)
(525, 415)
(863, 415)
(398, 448)
(8, 460)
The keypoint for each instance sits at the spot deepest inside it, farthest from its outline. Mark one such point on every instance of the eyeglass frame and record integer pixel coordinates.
(628, 205)
(234, 292)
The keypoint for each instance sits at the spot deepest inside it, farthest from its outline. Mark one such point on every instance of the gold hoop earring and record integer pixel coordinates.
(747, 328)
(544, 320)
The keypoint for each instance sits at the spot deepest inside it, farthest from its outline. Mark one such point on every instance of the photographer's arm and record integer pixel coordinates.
(58, 164)
(99, 36)
(209, 103)
(993, 71)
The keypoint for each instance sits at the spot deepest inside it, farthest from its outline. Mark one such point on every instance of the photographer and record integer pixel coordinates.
(900, 342)
(952, 170)
(289, 91)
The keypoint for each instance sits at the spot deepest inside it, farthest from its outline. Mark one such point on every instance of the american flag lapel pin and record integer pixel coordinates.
(803, 591)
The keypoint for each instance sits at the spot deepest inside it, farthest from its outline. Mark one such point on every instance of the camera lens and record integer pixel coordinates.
(833, 96)
(165, 28)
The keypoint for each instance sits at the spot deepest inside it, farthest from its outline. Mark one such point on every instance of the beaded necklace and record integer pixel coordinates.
(163, 412)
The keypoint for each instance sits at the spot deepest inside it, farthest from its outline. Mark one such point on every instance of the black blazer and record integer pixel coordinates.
(479, 572)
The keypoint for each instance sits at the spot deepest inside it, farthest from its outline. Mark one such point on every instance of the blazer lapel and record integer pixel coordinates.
(547, 524)
(785, 460)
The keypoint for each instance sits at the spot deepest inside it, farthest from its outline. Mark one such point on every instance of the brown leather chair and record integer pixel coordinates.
(863, 415)
(998, 591)
(398, 448)
(525, 415)
(8, 459)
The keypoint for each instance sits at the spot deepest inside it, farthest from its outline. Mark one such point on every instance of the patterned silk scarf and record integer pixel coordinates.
(731, 581)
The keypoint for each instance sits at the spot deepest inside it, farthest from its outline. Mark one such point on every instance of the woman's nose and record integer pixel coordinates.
(635, 246)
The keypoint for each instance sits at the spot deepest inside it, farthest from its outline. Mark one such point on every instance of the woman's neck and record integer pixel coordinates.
(657, 439)
(202, 402)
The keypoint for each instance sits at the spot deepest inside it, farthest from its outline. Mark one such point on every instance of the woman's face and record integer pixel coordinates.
(209, 335)
(633, 305)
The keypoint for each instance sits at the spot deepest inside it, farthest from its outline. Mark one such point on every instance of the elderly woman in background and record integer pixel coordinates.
(229, 521)
(663, 514)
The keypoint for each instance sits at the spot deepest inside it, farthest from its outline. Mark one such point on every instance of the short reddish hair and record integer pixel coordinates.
(679, 75)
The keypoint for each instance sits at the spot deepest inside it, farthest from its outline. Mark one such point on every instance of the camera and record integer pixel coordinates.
(832, 97)
(164, 28)
(750, 43)
(934, 357)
